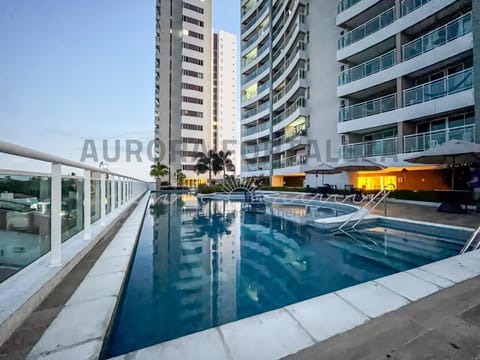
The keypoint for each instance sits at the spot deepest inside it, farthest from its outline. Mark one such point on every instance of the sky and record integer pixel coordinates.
(72, 71)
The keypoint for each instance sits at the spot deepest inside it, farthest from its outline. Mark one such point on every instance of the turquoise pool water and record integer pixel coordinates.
(199, 265)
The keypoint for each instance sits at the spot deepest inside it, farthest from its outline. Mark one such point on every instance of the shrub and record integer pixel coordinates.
(414, 195)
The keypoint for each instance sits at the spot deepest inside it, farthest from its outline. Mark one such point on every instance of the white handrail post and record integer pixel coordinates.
(56, 217)
(113, 191)
(87, 205)
(102, 199)
(125, 198)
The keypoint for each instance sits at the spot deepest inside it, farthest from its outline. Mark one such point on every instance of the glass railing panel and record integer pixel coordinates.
(368, 68)
(438, 37)
(408, 6)
(425, 141)
(377, 23)
(452, 84)
(108, 196)
(24, 221)
(72, 207)
(368, 108)
(345, 4)
(95, 200)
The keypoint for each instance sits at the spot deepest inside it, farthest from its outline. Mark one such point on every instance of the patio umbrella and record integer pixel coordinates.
(359, 165)
(450, 153)
(323, 169)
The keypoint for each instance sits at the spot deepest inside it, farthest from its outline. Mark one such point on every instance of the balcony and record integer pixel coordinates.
(261, 13)
(368, 68)
(252, 112)
(255, 167)
(299, 103)
(380, 147)
(253, 75)
(368, 108)
(438, 37)
(296, 160)
(300, 74)
(425, 141)
(256, 129)
(345, 4)
(377, 23)
(407, 6)
(448, 85)
(252, 149)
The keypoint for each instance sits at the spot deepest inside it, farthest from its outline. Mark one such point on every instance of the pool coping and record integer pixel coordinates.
(80, 328)
(269, 335)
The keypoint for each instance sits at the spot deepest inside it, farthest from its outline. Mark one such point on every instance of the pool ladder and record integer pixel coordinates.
(471, 240)
(383, 195)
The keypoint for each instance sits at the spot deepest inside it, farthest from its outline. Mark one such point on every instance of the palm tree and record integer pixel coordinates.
(209, 162)
(226, 161)
(180, 176)
(159, 170)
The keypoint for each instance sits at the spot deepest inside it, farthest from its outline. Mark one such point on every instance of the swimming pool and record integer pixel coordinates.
(202, 264)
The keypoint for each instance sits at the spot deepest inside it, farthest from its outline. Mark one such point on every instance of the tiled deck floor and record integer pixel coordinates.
(444, 326)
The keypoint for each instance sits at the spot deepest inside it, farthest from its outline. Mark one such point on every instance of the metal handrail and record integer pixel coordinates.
(384, 197)
(470, 242)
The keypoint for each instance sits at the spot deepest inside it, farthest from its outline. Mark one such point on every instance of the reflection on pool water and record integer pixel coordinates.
(199, 265)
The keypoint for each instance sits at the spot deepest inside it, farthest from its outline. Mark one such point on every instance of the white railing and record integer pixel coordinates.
(368, 108)
(368, 68)
(379, 147)
(438, 37)
(295, 160)
(448, 85)
(425, 141)
(58, 205)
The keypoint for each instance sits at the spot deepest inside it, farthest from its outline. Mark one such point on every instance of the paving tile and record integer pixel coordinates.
(372, 299)
(270, 335)
(326, 316)
(431, 277)
(76, 324)
(408, 286)
(204, 345)
(109, 265)
(451, 269)
(87, 351)
(96, 287)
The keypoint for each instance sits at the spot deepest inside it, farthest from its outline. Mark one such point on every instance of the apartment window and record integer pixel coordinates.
(191, 154)
(191, 60)
(192, 127)
(192, 100)
(192, 73)
(189, 167)
(187, 140)
(193, 87)
(192, 7)
(191, 113)
(195, 34)
(193, 21)
(193, 47)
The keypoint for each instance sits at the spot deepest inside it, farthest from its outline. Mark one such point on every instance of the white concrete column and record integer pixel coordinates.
(125, 196)
(120, 192)
(87, 205)
(55, 216)
(102, 199)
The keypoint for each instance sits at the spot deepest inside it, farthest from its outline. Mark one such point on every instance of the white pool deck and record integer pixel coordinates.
(79, 330)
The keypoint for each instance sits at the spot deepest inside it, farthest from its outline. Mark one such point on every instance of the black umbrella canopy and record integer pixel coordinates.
(359, 165)
(322, 168)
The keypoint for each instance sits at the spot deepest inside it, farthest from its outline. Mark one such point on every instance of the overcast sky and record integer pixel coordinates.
(77, 70)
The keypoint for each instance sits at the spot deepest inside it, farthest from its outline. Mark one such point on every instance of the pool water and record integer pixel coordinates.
(199, 265)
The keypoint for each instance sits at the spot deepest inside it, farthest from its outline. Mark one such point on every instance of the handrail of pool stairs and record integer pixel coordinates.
(382, 193)
(470, 242)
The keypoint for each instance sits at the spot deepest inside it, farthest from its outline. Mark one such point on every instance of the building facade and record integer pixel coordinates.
(289, 100)
(183, 85)
(224, 106)
(406, 83)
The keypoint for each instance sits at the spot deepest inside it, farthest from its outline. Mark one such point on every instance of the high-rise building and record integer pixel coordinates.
(224, 117)
(406, 83)
(183, 85)
(289, 77)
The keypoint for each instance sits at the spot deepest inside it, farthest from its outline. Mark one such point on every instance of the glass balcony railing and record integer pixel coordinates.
(368, 108)
(253, 112)
(299, 103)
(295, 160)
(300, 130)
(260, 52)
(343, 5)
(254, 74)
(261, 13)
(379, 147)
(256, 129)
(254, 94)
(256, 167)
(256, 148)
(377, 23)
(249, 6)
(299, 47)
(452, 84)
(300, 74)
(425, 141)
(407, 6)
(368, 68)
(438, 37)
